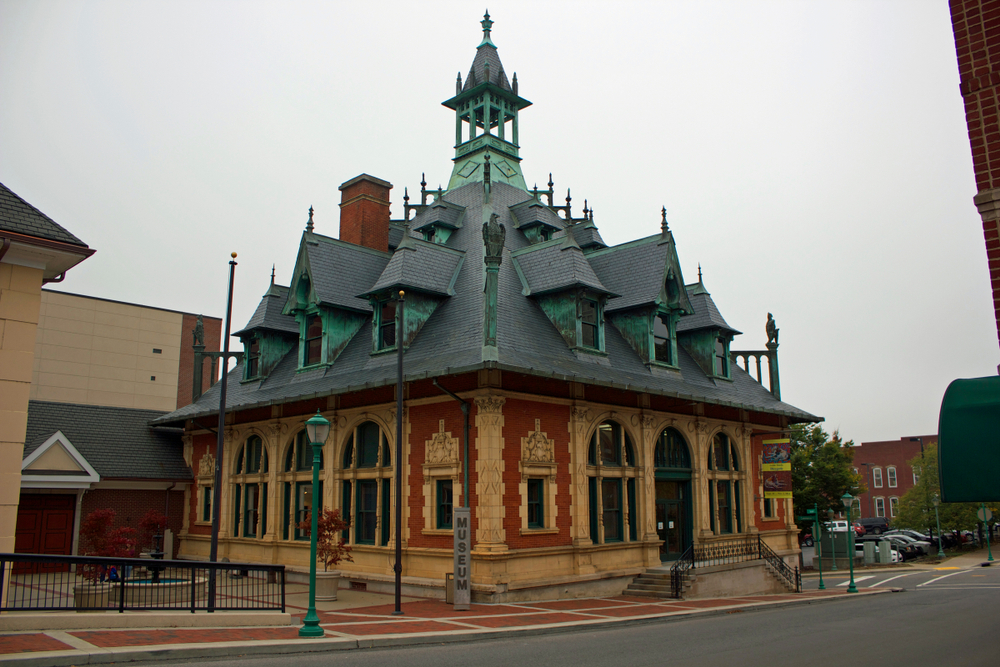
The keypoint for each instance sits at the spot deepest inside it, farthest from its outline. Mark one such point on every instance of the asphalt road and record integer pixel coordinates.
(944, 618)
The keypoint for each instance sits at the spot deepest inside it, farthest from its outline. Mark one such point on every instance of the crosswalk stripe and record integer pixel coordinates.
(857, 579)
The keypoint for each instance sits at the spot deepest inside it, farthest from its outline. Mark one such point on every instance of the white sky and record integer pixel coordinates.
(812, 156)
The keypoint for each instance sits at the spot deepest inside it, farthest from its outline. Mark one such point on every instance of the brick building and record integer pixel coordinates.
(610, 425)
(976, 24)
(103, 370)
(884, 465)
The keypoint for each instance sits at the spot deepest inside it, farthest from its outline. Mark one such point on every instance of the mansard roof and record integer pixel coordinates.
(338, 271)
(451, 340)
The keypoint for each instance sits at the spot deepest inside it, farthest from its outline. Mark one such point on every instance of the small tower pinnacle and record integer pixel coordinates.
(664, 227)
(699, 272)
(309, 225)
(487, 24)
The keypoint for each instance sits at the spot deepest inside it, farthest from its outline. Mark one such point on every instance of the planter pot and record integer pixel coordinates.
(327, 584)
(92, 597)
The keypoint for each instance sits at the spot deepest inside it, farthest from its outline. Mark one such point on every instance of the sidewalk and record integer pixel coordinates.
(363, 620)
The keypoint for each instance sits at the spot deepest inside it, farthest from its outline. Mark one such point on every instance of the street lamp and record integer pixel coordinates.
(848, 501)
(937, 501)
(317, 430)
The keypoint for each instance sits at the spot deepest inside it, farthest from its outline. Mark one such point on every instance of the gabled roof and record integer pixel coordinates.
(534, 212)
(421, 266)
(268, 316)
(337, 271)
(18, 216)
(706, 315)
(117, 442)
(554, 266)
(56, 463)
(637, 271)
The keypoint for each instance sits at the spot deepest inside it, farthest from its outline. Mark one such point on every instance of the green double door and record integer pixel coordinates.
(673, 517)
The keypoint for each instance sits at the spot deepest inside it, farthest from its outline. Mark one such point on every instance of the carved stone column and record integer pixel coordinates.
(191, 491)
(648, 468)
(699, 467)
(490, 535)
(580, 511)
(276, 434)
(226, 502)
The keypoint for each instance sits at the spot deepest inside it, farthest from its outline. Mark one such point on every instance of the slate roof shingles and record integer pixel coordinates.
(20, 217)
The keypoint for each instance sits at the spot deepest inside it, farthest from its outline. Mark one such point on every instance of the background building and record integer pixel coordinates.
(884, 467)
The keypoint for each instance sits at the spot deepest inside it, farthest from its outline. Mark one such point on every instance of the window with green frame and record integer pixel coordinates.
(721, 364)
(590, 324)
(444, 504)
(249, 490)
(663, 344)
(725, 509)
(297, 477)
(610, 448)
(367, 488)
(206, 503)
(253, 358)
(536, 503)
(313, 348)
(385, 338)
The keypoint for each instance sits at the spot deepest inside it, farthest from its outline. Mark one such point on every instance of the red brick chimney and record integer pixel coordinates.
(364, 212)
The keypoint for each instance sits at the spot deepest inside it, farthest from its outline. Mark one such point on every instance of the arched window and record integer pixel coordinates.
(612, 507)
(724, 500)
(250, 489)
(367, 487)
(297, 496)
(671, 450)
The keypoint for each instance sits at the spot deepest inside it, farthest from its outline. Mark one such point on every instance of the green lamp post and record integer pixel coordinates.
(936, 500)
(848, 501)
(317, 429)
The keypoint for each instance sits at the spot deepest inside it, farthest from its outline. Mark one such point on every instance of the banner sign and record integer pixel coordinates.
(777, 468)
(463, 558)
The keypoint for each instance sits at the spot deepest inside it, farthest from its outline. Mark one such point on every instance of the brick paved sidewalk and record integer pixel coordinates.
(423, 621)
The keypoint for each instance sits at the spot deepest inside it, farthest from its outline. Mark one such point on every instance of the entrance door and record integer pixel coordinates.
(672, 518)
(44, 526)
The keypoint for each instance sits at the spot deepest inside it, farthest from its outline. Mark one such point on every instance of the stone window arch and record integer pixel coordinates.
(249, 480)
(725, 511)
(611, 473)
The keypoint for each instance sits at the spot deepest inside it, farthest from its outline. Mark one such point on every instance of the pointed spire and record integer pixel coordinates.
(591, 213)
(309, 225)
(664, 227)
(551, 183)
(487, 25)
(273, 289)
(406, 196)
(586, 211)
(423, 181)
(513, 84)
(272, 275)
(458, 84)
(699, 272)
(568, 204)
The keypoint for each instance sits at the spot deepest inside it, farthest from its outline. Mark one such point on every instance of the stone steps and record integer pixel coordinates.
(657, 585)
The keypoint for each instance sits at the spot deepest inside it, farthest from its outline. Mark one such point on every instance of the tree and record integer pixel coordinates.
(822, 470)
(330, 545)
(916, 509)
(97, 538)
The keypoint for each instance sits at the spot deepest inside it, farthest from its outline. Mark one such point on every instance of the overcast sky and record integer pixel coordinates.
(812, 156)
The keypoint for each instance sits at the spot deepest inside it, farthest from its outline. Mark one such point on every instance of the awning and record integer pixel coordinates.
(969, 441)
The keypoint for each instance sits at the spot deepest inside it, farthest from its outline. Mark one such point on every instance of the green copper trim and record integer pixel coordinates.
(487, 25)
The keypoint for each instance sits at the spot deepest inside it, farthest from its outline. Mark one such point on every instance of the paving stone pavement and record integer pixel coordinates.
(355, 622)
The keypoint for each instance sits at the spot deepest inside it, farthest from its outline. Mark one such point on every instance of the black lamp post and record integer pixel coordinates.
(317, 430)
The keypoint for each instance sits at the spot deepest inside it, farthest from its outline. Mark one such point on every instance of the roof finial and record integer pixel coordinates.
(664, 227)
(487, 24)
(309, 225)
(513, 84)
(591, 213)
(458, 84)
(586, 210)
(406, 196)
(699, 272)
(551, 182)
(272, 275)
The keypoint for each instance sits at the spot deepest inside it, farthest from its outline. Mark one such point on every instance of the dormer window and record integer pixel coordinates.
(385, 338)
(663, 349)
(314, 341)
(590, 324)
(429, 234)
(543, 234)
(253, 359)
(721, 361)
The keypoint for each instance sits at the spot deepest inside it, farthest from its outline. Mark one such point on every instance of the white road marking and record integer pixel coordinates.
(857, 579)
(943, 576)
(885, 581)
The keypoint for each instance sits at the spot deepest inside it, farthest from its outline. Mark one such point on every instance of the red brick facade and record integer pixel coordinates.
(976, 24)
(130, 505)
(883, 458)
(364, 212)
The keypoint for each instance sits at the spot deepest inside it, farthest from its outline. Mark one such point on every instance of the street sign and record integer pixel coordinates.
(984, 514)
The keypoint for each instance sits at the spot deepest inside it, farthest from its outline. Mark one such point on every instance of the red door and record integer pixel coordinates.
(44, 526)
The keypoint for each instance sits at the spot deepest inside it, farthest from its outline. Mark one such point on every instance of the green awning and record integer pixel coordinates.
(969, 441)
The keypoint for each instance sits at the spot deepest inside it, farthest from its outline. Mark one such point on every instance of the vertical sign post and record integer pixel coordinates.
(463, 558)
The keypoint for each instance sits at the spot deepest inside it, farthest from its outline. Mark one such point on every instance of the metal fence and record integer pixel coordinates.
(38, 582)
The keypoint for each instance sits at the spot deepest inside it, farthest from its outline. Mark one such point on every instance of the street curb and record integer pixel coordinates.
(284, 647)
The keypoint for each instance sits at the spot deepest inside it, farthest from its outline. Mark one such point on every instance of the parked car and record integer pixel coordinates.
(875, 525)
(907, 550)
(806, 538)
(923, 546)
(917, 535)
(859, 530)
(836, 526)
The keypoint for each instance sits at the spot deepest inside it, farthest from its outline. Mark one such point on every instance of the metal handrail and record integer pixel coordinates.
(42, 582)
(792, 578)
(679, 570)
(725, 552)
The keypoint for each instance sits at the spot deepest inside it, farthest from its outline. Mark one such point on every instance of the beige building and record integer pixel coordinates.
(34, 250)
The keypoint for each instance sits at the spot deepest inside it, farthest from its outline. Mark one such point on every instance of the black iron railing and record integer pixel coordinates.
(34, 582)
(727, 552)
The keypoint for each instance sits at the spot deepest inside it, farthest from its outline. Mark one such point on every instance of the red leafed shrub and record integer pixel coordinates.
(330, 546)
(153, 523)
(98, 538)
